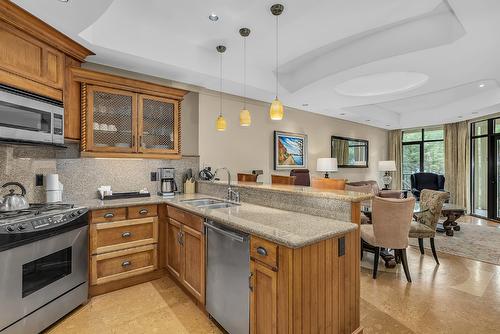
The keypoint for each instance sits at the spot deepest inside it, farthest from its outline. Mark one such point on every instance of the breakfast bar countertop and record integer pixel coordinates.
(291, 229)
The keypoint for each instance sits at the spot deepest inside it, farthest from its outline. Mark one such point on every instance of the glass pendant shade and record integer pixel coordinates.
(221, 124)
(245, 118)
(276, 110)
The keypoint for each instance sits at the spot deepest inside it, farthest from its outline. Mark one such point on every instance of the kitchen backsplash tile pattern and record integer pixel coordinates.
(82, 176)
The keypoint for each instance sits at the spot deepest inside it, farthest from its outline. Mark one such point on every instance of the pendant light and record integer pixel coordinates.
(245, 118)
(220, 124)
(276, 109)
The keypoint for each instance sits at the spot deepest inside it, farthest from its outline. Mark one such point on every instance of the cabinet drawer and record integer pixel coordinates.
(123, 264)
(193, 221)
(142, 211)
(107, 237)
(264, 251)
(109, 215)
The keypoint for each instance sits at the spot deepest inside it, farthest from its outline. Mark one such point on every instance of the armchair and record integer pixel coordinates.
(431, 181)
(376, 190)
(302, 177)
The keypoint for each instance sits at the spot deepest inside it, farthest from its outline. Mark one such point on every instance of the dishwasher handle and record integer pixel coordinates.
(227, 233)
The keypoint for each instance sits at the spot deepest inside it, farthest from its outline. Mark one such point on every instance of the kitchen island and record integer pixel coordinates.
(305, 280)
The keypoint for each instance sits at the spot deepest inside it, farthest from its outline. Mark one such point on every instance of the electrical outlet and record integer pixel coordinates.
(154, 176)
(341, 246)
(38, 180)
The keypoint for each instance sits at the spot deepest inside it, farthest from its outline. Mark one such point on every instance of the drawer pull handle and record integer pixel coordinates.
(126, 234)
(109, 215)
(125, 264)
(143, 211)
(261, 251)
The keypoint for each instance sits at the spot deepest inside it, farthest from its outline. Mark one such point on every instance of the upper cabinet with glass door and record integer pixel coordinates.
(123, 117)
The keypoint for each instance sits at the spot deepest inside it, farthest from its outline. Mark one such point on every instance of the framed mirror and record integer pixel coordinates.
(350, 152)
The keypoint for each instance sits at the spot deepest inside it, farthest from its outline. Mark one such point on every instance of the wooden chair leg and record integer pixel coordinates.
(375, 262)
(404, 261)
(421, 245)
(433, 248)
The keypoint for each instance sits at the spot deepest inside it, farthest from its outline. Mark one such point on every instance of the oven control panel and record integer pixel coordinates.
(43, 222)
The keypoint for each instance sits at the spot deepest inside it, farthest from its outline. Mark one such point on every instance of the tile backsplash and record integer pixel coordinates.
(82, 176)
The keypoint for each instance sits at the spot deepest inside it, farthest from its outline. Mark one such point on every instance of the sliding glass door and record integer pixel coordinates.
(485, 168)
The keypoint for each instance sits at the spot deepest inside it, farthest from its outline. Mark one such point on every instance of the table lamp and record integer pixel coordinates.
(387, 166)
(326, 165)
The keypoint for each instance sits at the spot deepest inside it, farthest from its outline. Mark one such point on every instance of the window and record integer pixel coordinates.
(423, 151)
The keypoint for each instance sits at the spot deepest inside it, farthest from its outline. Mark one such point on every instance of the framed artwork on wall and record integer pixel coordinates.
(290, 150)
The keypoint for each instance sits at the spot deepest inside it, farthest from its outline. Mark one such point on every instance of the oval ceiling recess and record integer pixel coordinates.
(382, 84)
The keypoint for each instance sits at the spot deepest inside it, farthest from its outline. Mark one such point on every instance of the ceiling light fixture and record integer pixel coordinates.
(220, 124)
(474, 113)
(245, 118)
(305, 104)
(482, 85)
(63, 0)
(342, 114)
(276, 110)
(213, 17)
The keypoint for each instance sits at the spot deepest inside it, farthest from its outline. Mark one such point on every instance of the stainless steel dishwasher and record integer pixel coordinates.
(228, 272)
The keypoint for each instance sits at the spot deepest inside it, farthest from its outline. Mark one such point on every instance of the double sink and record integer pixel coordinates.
(209, 203)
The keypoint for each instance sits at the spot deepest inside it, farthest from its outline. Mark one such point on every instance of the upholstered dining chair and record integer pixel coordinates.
(242, 177)
(281, 179)
(391, 220)
(425, 223)
(302, 177)
(328, 184)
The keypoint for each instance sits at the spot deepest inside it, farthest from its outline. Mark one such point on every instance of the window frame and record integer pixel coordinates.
(421, 144)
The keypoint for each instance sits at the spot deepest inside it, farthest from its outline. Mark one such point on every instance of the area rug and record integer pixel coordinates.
(475, 242)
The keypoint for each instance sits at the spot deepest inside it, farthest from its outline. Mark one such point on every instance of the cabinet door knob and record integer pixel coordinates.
(143, 211)
(109, 215)
(261, 251)
(126, 234)
(125, 264)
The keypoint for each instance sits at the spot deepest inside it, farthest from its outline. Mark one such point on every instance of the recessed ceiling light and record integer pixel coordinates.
(482, 85)
(213, 17)
(460, 116)
(342, 114)
(63, 0)
(387, 125)
(367, 120)
(474, 113)
(305, 104)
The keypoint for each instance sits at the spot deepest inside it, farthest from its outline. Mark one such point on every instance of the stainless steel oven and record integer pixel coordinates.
(42, 280)
(26, 117)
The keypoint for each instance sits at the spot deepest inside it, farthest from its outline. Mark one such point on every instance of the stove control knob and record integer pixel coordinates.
(73, 214)
(79, 212)
(21, 227)
(10, 228)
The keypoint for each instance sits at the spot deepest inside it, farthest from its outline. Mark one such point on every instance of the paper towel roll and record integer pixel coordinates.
(52, 182)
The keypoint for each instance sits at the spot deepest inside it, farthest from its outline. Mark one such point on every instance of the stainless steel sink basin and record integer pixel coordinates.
(202, 201)
(209, 203)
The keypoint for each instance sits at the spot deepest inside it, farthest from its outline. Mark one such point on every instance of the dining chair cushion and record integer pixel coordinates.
(391, 220)
(419, 230)
(431, 204)
(368, 235)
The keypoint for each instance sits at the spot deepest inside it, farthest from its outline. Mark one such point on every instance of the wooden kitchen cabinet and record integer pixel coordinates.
(123, 247)
(263, 299)
(122, 117)
(186, 251)
(174, 248)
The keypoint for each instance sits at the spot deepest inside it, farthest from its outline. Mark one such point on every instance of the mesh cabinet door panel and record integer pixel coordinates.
(158, 125)
(113, 121)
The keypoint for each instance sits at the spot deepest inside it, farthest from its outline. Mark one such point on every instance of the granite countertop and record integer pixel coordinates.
(287, 228)
(344, 195)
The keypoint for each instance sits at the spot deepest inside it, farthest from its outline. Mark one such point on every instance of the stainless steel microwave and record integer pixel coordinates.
(26, 117)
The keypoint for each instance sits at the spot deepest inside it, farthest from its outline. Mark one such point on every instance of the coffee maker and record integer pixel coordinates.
(166, 182)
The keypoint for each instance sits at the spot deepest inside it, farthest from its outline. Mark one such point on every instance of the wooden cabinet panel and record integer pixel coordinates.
(193, 264)
(174, 248)
(30, 58)
(107, 237)
(142, 211)
(108, 215)
(189, 219)
(264, 251)
(263, 299)
(123, 264)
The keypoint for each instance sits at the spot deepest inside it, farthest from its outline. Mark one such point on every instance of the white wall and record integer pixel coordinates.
(242, 149)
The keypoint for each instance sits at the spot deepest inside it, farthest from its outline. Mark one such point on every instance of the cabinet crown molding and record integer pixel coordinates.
(14, 15)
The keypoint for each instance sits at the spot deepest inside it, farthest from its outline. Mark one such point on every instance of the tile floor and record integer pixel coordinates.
(459, 296)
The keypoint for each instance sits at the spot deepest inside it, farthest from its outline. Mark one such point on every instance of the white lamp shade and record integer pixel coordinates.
(326, 165)
(387, 166)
